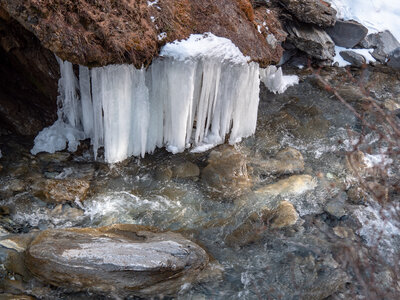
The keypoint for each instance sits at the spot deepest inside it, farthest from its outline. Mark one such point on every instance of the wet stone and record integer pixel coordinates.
(185, 170)
(119, 259)
(286, 161)
(226, 172)
(64, 190)
(293, 185)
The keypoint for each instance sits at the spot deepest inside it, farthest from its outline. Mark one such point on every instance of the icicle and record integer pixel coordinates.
(275, 81)
(86, 101)
(200, 92)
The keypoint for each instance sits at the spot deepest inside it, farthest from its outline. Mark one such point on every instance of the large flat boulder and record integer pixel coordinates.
(121, 259)
(105, 32)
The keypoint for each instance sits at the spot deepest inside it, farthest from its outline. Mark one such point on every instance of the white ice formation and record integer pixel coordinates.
(275, 81)
(200, 92)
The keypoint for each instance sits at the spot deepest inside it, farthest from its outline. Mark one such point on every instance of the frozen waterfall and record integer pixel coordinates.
(199, 93)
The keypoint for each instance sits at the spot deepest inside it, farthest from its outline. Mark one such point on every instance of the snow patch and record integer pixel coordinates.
(161, 36)
(275, 81)
(364, 52)
(376, 15)
(204, 46)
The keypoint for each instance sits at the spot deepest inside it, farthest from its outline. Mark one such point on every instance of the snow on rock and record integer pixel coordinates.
(364, 52)
(198, 92)
(275, 81)
(205, 46)
(376, 15)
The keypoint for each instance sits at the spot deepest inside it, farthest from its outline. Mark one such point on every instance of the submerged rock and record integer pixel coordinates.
(294, 185)
(287, 161)
(121, 259)
(252, 229)
(185, 170)
(226, 173)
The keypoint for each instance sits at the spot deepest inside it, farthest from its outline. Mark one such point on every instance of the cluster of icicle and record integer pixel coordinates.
(200, 92)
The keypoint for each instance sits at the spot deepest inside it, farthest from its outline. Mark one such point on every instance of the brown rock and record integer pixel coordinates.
(226, 173)
(65, 190)
(252, 229)
(317, 12)
(104, 32)
(287, 161)
(118, 259)
(185, 170)
(283, 215)
(293, 185)
(248, 232)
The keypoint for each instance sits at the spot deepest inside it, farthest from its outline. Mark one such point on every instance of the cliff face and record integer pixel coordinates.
(28, 80)
(101, 32)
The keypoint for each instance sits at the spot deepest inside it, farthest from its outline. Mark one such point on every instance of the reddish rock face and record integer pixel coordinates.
(94, 33)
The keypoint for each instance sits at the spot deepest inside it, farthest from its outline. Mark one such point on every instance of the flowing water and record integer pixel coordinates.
(289, 263)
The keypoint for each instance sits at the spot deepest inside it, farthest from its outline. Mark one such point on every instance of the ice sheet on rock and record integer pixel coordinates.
(275, 81)
(376, 15)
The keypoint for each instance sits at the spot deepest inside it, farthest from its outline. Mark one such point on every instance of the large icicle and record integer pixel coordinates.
(66, 131)
(199, 93)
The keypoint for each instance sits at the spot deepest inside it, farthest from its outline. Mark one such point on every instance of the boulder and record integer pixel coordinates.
(97, 33)
(352, 57)
(347, 33)
(62, 190)
(312, 40)
(394, 58)
(119, 259)
(226, 172)
(311, 11)
(383, 42)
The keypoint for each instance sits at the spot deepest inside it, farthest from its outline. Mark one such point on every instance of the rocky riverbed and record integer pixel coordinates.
(278, 216)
